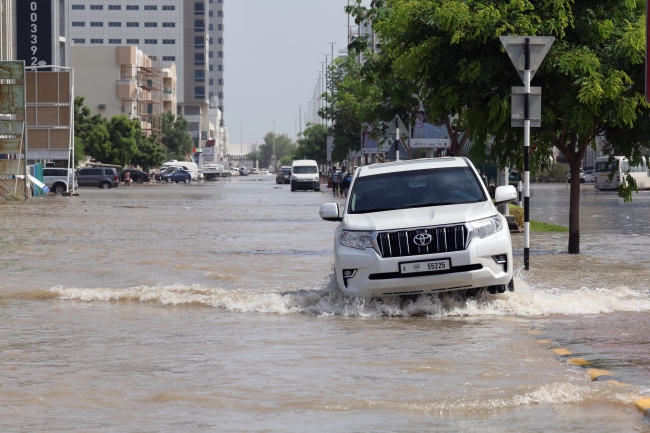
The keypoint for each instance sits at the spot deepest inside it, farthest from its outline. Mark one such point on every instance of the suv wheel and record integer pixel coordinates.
(169, 180)
(105, 185)
(140, 180)
(58, 189)
(186, 180)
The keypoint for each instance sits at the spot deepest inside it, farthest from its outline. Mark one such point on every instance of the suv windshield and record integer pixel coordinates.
(306, 169)
(286, 171)
(606, 166)
(411, 189)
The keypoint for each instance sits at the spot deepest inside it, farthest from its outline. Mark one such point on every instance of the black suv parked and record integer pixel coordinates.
(101, 177)
(136, 176)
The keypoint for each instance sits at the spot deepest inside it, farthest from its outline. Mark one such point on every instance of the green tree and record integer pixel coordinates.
(84, 123)
(592, 79)
(122, 131)
(255, 156)
(313, 144)
(285, 160)
(98, 143)
(150, 152)
(175, 136)
(282, 144)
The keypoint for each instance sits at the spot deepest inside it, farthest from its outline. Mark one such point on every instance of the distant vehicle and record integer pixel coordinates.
(178, 175)
(582, 176)
(589, 176)
(283, 176)
(254, 171)
(58, 179)
(102, 177)
(137, 176)
(243, 171)
(191, 167)
(304, 175)
(212, 171)
(234, 171)
(265, 171)
(619, 165)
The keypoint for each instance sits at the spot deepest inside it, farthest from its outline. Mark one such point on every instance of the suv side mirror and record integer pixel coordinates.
(330, 212)
(505, 194)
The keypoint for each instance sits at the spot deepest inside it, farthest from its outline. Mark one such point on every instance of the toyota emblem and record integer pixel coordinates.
(422, 239)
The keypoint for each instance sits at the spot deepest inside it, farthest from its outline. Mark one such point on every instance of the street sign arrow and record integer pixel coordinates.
(539, 46)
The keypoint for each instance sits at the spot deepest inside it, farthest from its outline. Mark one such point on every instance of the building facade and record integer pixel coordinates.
(216, 53)
(174, 31)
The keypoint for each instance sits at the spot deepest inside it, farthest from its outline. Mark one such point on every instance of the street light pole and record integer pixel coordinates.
(241, 141)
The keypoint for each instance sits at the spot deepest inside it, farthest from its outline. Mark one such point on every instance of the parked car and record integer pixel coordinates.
(243, 171)
(188, 166)
(102, 177)
(284, 175)
(178, 175)
(234, 171)
(582, 176)
(419, 227)
(59, 180)
(589, 176)
(265, 172)
(137, 176)
(254, 171)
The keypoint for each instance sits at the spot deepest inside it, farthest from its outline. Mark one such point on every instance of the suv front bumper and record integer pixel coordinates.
(474, 267)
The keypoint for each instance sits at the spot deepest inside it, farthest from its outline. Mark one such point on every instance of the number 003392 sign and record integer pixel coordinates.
(34, 32)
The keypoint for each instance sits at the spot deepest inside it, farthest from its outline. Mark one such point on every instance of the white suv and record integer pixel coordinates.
(59, 179)
(422, 226)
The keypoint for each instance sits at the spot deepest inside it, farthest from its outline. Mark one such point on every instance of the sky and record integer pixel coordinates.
(272, 50)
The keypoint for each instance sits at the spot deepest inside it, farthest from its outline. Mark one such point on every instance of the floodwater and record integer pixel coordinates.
(211, 307)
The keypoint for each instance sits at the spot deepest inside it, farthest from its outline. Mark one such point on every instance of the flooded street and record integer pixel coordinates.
(212, 307)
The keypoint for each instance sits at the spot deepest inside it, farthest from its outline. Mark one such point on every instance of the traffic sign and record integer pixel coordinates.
(518, 104)
(539, 46)
(403, 130)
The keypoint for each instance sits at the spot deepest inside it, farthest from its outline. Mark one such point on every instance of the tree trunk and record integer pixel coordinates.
(574, 208)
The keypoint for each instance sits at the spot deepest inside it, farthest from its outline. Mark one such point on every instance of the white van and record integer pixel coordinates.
(185, 165)
(304, 175)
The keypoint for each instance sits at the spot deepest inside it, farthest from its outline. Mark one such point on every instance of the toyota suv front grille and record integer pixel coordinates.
(416, 242)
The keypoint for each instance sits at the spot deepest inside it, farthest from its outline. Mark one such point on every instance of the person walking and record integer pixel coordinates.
(335, 181)
(127, 178)
(343, 183)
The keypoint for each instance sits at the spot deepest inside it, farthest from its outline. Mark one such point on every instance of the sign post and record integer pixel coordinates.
(527, 53)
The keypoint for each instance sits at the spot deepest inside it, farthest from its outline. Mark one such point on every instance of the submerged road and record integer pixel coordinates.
(211, 307)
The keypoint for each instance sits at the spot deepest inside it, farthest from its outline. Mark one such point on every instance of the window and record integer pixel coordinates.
(220, 41)
(169, 8)
(169, 24)
(199, 42)
(220, 68)
(220, 81)
(199, 92)
(169, 41)
(151, 41)
(211, 82)
(211, 54)
(199, 25)
(151, 8)
(78, 24)
(210, 68)
(96, 7)
(115, 41)
(193, 126)
(151, 24)
(210, 27)
(220, 53)
(96, 24)
(169, 58)
(79, 41)
(133, 41)
(192, 110)
(133, 24)
(199, 76)
(199, 8)
(210, 14)
(114, 7)
(220, 14)
(211, 41)
(78, 7)
(211, 97)
(220, 27)
(96, 41)
(114, 24)
(220, 95)
(199, 59)
(132, 8)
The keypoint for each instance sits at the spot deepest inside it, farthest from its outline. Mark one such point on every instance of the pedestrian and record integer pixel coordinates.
(127, 178)
(335, 182)
(343, 181)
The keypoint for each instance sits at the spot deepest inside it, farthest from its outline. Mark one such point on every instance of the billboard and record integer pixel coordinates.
(426, 135)
(370, 145)
(34, 32)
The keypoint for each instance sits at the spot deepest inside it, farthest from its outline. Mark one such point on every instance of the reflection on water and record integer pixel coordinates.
(215, 308)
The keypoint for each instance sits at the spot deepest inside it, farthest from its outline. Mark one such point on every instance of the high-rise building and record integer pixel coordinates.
(173, 31)
(216, 53)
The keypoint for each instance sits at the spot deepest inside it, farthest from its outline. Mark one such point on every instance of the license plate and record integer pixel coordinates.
(427, 266)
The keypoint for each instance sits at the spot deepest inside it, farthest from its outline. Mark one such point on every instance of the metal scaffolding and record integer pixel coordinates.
(148, 102)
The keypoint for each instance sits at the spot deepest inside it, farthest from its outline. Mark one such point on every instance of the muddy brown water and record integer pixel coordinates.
(211, 307)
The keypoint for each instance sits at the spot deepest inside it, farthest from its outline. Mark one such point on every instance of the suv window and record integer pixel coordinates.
(58, 172)
(109, 171)
(92, 172)
(419, 188)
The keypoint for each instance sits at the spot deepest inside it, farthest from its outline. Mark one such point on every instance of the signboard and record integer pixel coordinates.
(518, 102)
(208, 151)
(330, 147)
(430, 143)
(34, 32)
(204, 135)
(403, 130)
(47, 154)
(539, 47)
(371, 145)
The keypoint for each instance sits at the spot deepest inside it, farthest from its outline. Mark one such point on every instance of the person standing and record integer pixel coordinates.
(127, 178)
(343, 181)
(335, 181)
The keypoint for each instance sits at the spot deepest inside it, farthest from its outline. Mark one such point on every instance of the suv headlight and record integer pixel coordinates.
(485, 227)
(358, 240)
